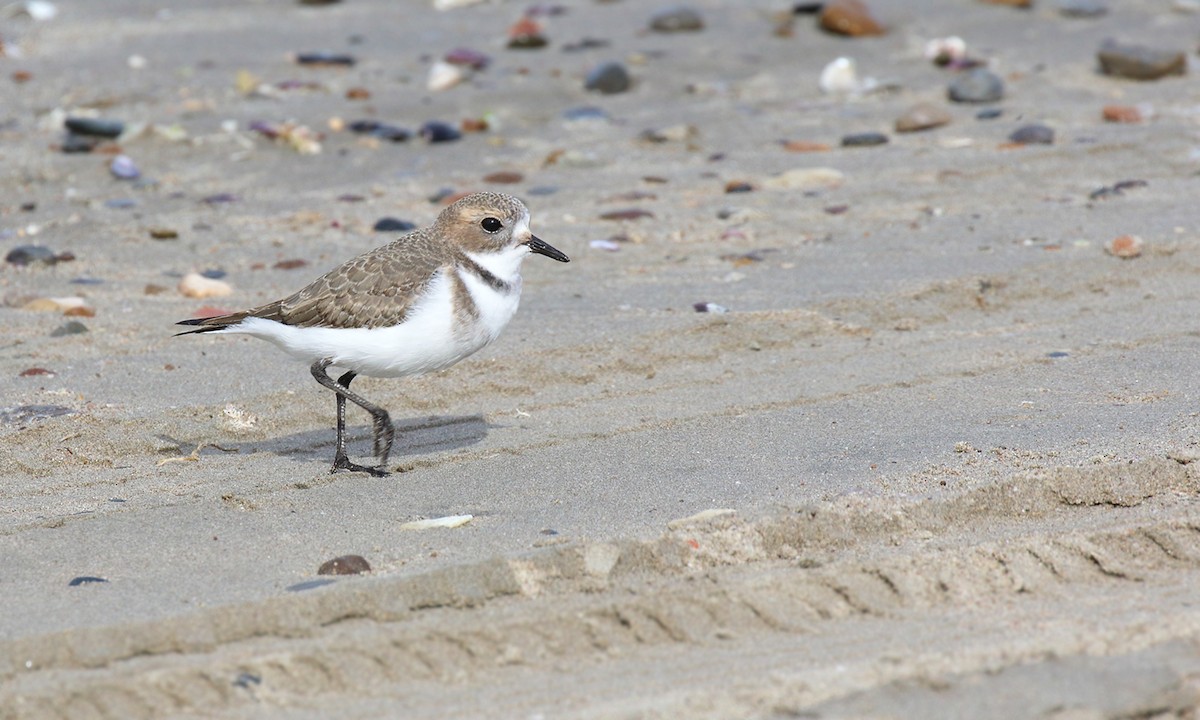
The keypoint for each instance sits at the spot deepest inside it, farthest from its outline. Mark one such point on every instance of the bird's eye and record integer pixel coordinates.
(491, 224)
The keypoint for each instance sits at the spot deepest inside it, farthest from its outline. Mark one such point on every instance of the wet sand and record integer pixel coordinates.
(936, 460)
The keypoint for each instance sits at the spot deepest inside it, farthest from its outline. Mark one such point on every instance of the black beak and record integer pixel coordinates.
(540, 247)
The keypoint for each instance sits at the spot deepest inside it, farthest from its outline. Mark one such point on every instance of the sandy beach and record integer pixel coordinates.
(929, 451)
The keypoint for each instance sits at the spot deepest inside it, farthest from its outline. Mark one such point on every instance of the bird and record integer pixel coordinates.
(418, 304)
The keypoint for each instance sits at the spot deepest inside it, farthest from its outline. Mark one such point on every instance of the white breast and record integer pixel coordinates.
(430, 338)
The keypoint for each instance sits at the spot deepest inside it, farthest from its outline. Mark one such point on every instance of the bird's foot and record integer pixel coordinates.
(342, 462)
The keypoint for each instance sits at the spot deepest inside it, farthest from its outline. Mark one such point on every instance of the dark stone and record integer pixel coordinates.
(989, 114)
(326, 58)
(608, 78)
(1033, 135)
(391, 224)
(30, 254)
(436, 131)
(867, 139)
(94, 127)
(85, 580)
(345, 565)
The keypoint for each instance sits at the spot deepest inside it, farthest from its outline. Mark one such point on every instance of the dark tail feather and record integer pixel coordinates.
(211, 324)
(271, 311)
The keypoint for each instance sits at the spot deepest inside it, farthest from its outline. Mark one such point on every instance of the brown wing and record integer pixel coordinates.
(375, 289)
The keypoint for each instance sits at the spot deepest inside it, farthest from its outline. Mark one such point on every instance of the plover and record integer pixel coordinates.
(418, 304)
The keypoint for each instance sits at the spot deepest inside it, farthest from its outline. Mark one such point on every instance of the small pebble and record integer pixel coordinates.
(809, 178)
(978, 85)
(345, 565)
(85, 580)
(383, 131)
(94, 127)
(849, 17)
(1122, 114)
(627, 214)
(54, 304)
(738, 186)
(1125, 247)
(37, 372)
(326, 59)
(358, 93)
(1058, 354)
(436, 131)
(866, 139)
(1081, 8)
(989, 114)
(163, 233)
(586, 113)
(247, 680)
(1032, 135)
(195, 285)
(467, 57)
(1140, 62)
(504, 177)
(391, 224)
(293, 264)
(608, 78)
(804, 146)
(526, 34)
(219, 199)
(707, 307)
(31, 255)
(76, 144)
(74, 327)
(671, 133)
(122, 167)
(120, 203)
(677, 19)
(922, 116)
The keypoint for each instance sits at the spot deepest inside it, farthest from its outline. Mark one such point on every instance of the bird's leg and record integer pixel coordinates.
(381, 423)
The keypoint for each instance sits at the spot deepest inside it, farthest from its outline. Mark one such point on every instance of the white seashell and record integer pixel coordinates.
(948, 48)
(451, 4)
(805, 179)
(450, 521)
(55, 304)
(840, 77)
(443, 75)
(195, 285)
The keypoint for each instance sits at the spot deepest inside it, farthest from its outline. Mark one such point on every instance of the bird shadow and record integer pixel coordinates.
(416, 437)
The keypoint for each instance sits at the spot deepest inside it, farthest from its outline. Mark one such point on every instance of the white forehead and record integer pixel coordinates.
(521, 227)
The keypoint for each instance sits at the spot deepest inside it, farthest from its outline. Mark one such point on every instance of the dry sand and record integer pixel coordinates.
(954, 437)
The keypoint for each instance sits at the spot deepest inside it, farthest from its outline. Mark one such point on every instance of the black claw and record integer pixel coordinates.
(343, 463)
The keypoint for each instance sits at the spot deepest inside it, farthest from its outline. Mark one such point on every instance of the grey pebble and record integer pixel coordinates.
(978, 85)
(586, 113)
(989, 114)
(73, 327)
(1140, 62)
(30, 254)
(1033, 135)
(677, 19)
(866, 139)
(123, 168)
(608, 78)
